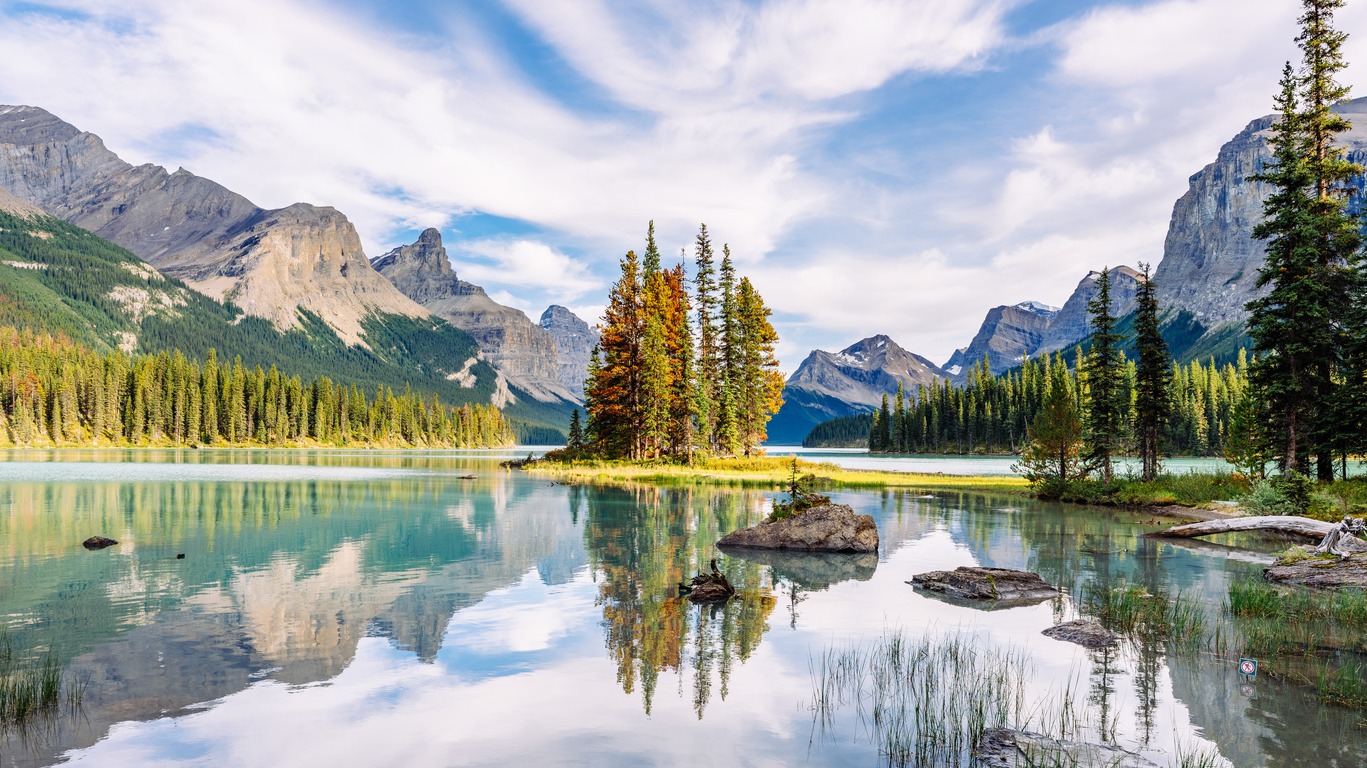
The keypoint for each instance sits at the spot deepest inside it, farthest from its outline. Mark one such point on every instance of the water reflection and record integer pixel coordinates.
(644, 542)
(373, 608)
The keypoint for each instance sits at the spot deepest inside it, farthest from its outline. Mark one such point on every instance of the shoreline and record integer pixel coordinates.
(774, 473)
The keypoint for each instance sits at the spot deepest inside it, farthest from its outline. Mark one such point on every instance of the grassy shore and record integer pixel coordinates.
(1172, 490)
(765, 472)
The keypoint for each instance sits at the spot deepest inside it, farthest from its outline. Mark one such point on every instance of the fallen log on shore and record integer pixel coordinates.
(1288, 524)
(1292, 525)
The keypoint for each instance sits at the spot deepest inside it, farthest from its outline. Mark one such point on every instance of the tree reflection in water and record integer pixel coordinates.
(642, 543)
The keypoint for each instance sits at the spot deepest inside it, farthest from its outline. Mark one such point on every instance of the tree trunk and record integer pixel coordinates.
(1296, 526)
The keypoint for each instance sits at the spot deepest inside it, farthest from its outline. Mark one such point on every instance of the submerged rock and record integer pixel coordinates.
(1085, 632)
(98, 542)
(827, 528)
(1007, 748)
(1324, 572)
(972, 583)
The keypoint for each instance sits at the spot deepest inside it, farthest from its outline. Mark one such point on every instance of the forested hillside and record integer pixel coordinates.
(57, 278)
(56, 392)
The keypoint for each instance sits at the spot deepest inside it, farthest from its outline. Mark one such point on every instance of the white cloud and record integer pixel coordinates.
(718, 111)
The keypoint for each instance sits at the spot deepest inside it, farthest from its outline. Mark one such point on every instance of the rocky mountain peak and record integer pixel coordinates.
(272, 263)
(574, 343)
(1210, 258)
(1073, 324)
(523, 351)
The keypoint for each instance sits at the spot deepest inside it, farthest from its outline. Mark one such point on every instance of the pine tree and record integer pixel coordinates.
(1054, 447)
(1153, 376)
(613, 392)
(708, 369)
(1285, 341)
(576, 438)
(1337, 234)
(759, 382)
(1104, 368)
(727, 441)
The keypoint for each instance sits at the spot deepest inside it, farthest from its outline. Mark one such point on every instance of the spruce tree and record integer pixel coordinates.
(708, 370)
(576, 438)
(1281, 322)
(1054, 447)
(1153, 375)
(1337, 233)
(1104, 367)
(759, 384)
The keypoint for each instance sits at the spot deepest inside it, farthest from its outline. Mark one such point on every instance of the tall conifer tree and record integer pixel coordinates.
(1104, 368)
(1153, 374)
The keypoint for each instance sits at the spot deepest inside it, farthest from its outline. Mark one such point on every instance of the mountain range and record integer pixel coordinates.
(205, 261)
(1207, 274)
(300, 268)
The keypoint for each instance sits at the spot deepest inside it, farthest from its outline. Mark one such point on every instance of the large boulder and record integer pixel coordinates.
(973, 583)
(98, 542)
(827, 528)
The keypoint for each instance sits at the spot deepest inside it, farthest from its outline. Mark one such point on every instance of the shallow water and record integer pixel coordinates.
(378, 608)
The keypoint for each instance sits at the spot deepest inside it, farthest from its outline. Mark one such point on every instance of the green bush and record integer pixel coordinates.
(1267, 498)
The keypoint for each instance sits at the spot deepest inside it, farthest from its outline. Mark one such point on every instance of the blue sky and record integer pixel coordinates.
(877, 166)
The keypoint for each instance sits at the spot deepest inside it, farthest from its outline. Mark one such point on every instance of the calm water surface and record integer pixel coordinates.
(382, 608)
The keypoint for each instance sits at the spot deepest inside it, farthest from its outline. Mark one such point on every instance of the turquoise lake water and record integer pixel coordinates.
(373, 608)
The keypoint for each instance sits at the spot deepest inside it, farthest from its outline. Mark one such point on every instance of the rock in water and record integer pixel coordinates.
(1006, 748)
(98, 542)
(827, 528)
(1085, 632)
(974, 583)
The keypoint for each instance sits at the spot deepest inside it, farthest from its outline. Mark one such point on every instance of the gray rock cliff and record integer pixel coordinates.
(521, 350)
(272, 263)
(1007, 336)
(1210, 258)
(574, 343)
(1072, 324)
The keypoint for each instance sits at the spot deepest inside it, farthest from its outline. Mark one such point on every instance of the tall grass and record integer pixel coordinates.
(31, 688)
(927, 702)
(763, 471)
(1258, 598)
(1140, 613)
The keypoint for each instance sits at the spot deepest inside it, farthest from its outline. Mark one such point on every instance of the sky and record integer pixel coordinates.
(876, 166)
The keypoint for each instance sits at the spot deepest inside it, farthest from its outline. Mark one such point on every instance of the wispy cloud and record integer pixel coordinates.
(940, 156)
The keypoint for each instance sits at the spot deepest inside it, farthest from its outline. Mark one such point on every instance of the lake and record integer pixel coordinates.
(374, 608)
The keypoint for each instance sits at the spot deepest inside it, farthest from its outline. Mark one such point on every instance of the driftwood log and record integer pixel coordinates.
(1289, 524)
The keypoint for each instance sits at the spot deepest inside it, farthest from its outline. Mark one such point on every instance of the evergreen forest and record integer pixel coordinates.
(59, 279)
(56, 392)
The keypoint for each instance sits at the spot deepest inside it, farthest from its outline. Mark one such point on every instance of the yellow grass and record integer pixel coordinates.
(764, 471)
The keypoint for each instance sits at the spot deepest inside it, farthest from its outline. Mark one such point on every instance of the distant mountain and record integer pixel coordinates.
(1008, 334)
(523, 351)
(574, 343)
(828, 385)
(1071, 324)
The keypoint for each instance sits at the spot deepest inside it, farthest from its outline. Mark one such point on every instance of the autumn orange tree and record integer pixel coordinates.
(673, 373)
